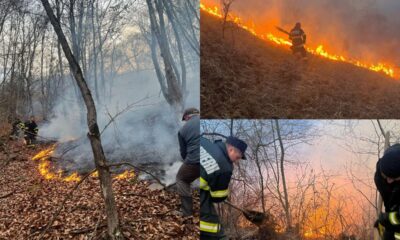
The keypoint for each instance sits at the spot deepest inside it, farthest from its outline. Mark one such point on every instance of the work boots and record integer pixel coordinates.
(186, 206)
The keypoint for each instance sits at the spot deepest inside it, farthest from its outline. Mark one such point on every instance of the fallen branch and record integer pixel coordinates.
(170, 186)
(69, 195)
(86, 230)
(7, 195)
(138, 169)
(127, 108)
(133, 194)
(40, 228)
(163, 213)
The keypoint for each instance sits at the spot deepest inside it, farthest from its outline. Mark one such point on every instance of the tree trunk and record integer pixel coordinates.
(169, 10)
(261, 180)
(60, 63)
(94, 52)
(72, 26)
(42, 77)
(173, 87)
(114, 230)
(287, 207)
(100, 51)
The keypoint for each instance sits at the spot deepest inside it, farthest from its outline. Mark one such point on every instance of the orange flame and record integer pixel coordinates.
(74, 177)
(95, 174)
(44, 168)
(45, 154)
(378, 67)
(124, 175)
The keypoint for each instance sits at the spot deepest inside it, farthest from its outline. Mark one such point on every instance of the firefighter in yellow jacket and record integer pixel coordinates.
(216, 166)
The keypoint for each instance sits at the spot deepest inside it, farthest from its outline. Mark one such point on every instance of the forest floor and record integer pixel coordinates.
(243, 76)
(28, 202)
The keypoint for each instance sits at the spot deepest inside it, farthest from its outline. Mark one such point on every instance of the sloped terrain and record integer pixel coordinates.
(28, 202)
(245, 77)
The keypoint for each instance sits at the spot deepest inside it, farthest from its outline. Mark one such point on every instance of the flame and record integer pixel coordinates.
(124, 175)
(309, 233)
(319, 51)
(44, 168)
(74, 177)
(45, 154)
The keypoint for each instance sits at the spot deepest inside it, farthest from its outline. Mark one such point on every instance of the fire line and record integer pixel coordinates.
(319, 51)
(44, 168)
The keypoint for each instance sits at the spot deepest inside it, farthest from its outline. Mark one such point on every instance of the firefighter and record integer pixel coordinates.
(17, 127)
(387, 181)
(298, 38)
(31, 131)
(189, 144)
(216, 166)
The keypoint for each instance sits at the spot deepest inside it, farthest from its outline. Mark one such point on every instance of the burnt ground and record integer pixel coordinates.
(245, 77)
(27, 202)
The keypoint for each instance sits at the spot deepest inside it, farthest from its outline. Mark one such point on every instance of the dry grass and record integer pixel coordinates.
(244, 77)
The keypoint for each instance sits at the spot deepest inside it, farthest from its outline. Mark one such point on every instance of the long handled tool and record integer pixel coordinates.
(282, 30)
(253, 216)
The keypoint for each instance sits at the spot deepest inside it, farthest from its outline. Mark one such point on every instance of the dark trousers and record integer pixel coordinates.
(186, 175)
(209, 215)
(300, 50)
(388, 235)
(207, 237)
(30, 138)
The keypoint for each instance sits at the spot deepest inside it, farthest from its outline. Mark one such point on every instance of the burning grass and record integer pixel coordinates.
(45, 168)
(244, 76)
(319, 50)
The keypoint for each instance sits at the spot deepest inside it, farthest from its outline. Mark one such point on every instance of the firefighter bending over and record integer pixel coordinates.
(216, 166)
(189, 143)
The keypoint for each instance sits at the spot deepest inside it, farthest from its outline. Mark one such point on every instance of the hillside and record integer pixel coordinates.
(245, 77)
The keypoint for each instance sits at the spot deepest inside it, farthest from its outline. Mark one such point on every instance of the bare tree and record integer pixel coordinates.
(170, 86)
(114, 230)
(226, 5)
(282, 159)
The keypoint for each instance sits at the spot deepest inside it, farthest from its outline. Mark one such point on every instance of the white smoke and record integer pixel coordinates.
(144, 134)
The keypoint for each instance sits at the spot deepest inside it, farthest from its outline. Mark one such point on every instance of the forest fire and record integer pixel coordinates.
(319, 50)
(45, 170)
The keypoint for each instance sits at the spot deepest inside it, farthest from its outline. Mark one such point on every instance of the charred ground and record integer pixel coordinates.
(245, 77)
